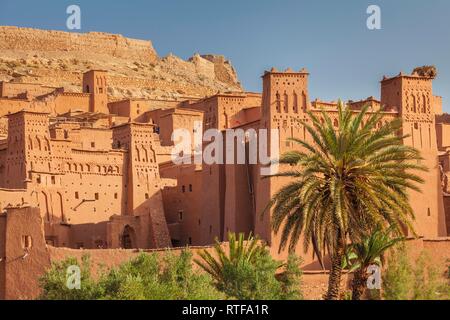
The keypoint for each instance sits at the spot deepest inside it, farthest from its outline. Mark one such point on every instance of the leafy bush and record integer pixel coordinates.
(291, 279)
(397, 284)
(145, 277)
(427, 285)
(251, 280)
(54, 282)
(248, 272)
(404, 281)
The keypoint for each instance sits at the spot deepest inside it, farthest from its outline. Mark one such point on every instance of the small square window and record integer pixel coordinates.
(77, 196)
(92, 144)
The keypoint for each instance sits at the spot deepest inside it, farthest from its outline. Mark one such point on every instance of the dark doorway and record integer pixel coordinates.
(176, 243)
(128, 238)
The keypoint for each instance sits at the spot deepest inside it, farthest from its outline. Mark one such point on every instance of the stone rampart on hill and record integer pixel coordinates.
(14, 38)
(59, 58)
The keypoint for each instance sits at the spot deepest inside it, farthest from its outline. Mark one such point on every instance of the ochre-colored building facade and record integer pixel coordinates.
(94, 177)
(101, 176)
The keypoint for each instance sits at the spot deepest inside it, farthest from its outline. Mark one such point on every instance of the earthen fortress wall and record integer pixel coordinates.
(14, 38)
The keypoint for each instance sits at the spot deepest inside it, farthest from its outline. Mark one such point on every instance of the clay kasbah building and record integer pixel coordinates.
(82, 171)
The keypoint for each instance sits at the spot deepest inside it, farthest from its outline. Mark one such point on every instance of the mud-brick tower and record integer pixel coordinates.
(412, 96)
(29, 150)
(144, 205)
(94, 83)
(31, 163)
(285, 100)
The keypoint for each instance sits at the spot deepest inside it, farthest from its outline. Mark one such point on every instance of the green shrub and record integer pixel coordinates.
(54, 282)
(427, 283)
(144, 277)
(248, 271)
(404, 281)
(397, 282)
(252, 280)
(291, 279)
(171, 277)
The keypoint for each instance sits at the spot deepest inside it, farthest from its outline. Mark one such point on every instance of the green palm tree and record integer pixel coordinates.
(369, 251)
(239, 251)
(347, 180)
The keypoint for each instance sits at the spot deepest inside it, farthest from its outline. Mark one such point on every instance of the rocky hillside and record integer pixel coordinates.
(58, 58)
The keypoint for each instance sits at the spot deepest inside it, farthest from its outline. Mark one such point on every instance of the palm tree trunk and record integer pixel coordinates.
(334, 280)
(359, 284)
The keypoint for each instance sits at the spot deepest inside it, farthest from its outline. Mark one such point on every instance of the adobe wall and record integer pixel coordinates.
(3, 131)
(114, 257)
(223, 69)
(126, 83)
(12, 105)
(21, 268)
(182, 204)
(241, 180)
(203, 66)
(443, 135)
(437, 252)
(437, 102)
(239, 210)
(447, 212)
(13, 197)
(14, 38)
(418, 112)
(203, 207)
(2, 256)
(175, 119)
(21, 264)
(23, 90)
(66, 102)
(121, 108)
(370, 101)
(245, 116)
(222, 111)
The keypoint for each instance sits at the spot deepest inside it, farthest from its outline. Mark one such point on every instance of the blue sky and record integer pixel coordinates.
(329, 38)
